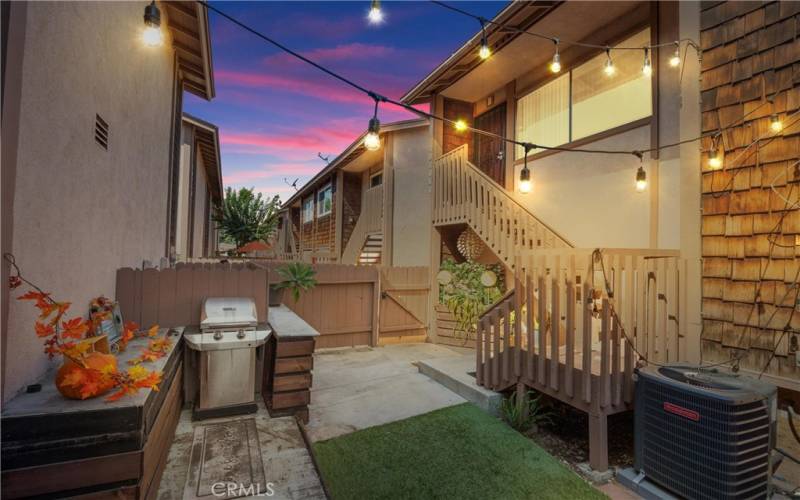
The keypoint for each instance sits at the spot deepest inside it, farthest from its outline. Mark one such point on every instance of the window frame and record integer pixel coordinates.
(652, 119)
(319, 212)
(303, 210)
(373, 176)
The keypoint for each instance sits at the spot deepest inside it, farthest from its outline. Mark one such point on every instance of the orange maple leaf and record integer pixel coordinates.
(44, 330)
(151, 381)
(122, 391)
(75, 328)
(33, 295)
(153, 331)
(74, 377)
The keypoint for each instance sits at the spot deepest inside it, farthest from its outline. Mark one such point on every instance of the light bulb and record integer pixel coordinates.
(608, 67)
(375, 14)
(647, 68)
(372, 141)
(714, 159)
(775, 123)
(525, 184)
(460, 125)
(555, 66)
(484, 51)
(641, 180)
(152, 36)
(675, 60)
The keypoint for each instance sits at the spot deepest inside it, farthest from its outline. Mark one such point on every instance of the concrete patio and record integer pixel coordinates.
(356, 388)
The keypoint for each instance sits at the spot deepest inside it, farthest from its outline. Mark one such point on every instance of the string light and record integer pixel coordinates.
(375, 15)
(647, 68)
(460, 125)
(555, 66)
(525, 184)
(641, 175)
(484, 51)
(775, 123)
(675, 60)
(152, 35)
(608, 66)
(714, 158)
(372, 141)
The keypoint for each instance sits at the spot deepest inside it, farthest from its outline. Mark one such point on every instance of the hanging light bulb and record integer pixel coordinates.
(375, 14)
(525, 184)
(641, 180)
(555, 65)
(714, 158)
(484, 52)
(775, 123)
(460, 125)
(675, 60)
(608, 66)
(152, 35)
(372, 141)
(647, 68)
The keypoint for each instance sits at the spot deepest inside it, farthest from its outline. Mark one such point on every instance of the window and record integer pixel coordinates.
(376, 180)
(308, 210)
(585, 101)
(325, 200)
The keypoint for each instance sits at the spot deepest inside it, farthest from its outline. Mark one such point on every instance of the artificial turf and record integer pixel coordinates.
(458, 452)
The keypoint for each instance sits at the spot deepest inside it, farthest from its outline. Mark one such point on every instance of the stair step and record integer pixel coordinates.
(453, 373)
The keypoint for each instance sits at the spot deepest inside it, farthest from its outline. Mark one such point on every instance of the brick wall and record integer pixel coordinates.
(751, 51)
(456, 110)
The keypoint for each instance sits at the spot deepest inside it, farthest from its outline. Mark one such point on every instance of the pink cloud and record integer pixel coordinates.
(343, 52)
(272, 171)
(328, 92)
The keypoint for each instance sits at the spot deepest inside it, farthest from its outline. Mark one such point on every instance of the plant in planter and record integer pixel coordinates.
(467, 289)
(87, 372)
(298, 277)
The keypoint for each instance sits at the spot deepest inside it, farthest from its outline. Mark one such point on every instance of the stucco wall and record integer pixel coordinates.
(184, 176)
(81, 212)
(590, 199)
(412, 201)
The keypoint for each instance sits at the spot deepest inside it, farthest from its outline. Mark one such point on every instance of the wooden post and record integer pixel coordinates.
(338, 200)
(376, 307)
(598, 442)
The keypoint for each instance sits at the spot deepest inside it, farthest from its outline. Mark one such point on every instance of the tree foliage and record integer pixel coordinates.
(245, 216)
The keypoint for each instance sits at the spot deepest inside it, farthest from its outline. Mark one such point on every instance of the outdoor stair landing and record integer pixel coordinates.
(457, 374)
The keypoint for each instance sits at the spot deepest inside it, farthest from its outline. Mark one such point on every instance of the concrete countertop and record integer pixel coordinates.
(50, 401)
(286, 324)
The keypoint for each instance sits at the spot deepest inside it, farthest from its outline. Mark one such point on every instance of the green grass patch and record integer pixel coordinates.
(457, 452)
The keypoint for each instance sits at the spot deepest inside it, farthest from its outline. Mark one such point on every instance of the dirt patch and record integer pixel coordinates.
(566, 436)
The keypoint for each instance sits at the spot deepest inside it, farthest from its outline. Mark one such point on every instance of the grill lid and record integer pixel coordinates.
(228, 312)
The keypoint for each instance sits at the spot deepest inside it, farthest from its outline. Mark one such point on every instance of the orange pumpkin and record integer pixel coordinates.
(96, 384)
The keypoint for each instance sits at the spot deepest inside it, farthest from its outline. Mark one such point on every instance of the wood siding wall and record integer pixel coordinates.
(319, 234)
(351, 204)
(751, 52)
(456, 110)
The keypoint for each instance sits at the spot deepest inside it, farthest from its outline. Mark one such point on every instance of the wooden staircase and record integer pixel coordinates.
(371, 250)
(462, 193)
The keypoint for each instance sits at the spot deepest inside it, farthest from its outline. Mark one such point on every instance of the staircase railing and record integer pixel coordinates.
(462, 193)
(579, 320)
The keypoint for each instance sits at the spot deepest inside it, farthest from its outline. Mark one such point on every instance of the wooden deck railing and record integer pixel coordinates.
(577, 324)
(373, 209)
(464, 194)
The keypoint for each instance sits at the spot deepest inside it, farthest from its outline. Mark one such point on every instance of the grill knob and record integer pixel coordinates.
(217, 335)
(240, 335)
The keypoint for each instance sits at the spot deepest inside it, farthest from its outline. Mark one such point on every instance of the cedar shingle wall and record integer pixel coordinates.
(751, 50)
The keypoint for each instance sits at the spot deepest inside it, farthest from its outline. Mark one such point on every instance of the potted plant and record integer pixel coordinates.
(297, 277)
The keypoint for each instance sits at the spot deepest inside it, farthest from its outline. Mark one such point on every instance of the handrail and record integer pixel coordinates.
(462, 150)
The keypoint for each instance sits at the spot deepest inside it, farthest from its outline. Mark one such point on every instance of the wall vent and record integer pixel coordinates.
(101, 132)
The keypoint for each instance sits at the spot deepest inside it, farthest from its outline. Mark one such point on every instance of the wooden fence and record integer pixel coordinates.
(351, 305)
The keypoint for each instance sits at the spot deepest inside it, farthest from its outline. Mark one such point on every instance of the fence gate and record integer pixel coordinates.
(404, 304)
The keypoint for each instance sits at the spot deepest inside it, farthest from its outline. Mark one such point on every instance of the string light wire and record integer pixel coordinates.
(426, 114)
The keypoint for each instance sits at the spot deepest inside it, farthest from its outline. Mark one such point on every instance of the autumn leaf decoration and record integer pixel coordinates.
(62, 335)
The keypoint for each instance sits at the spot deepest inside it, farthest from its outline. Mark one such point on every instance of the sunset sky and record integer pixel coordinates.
(275, 113)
